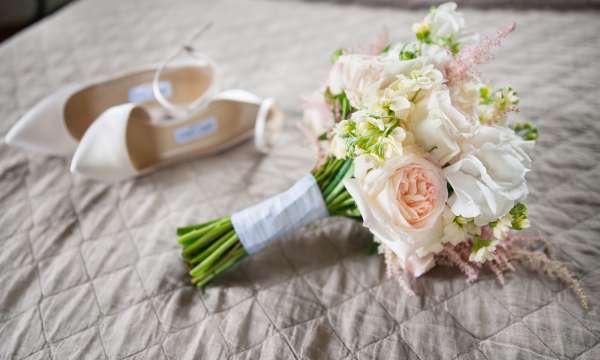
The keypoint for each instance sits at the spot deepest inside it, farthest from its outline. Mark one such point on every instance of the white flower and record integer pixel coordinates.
(487, 113)
(360, 76)
(364, 118)
(465, 96)
(393, 143)
(423, 78)
(484, 251)
(399, 104)
(452, 233)
(444, 25)
(401, 203)
(444, 21)
(438, 126)
(490, 178)
(436, 55)
(501, 227)
(338, 147)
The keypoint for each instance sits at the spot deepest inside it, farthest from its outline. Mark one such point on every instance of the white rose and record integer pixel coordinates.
(490, 178)
(360, 76)
(438, 126)
(401, 203)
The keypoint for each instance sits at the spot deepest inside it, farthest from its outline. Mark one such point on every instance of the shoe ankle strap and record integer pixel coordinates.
(178, 110)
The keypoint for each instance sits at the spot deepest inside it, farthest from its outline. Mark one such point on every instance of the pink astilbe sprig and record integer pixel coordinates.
(462, 67)
(318, 113)
(497, 270)
(540, 262)
(381, 41)
(394, 270)
(376, 46)
(534, 252)
(502, 259)
(456, 256)
(313, 139)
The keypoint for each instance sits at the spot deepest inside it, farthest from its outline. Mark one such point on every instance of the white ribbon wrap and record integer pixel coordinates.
(260, 224)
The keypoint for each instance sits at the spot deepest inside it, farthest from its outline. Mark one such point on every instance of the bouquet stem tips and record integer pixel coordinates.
(209, 249)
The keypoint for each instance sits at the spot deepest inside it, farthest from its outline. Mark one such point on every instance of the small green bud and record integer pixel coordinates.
(336, 55)
(526, 130)
(423, 33)
(519, 215)
(484, 92)
(460, 221)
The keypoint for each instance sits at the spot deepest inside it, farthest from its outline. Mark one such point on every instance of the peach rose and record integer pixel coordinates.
(401, 203)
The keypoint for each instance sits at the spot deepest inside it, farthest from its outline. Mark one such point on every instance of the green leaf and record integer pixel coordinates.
(450, 189)
(479, 243)
(520, 215)
(373, 248)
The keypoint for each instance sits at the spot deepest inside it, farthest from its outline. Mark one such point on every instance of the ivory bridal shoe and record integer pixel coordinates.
(56, 124)
(123, 142)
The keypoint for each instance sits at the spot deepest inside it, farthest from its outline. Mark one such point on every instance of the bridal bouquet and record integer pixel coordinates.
(415, 144)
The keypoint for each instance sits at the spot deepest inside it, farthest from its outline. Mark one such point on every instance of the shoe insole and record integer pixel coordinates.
(222, 124)
(181, 85)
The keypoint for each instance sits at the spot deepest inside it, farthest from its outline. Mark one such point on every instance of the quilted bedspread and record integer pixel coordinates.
(92, 271)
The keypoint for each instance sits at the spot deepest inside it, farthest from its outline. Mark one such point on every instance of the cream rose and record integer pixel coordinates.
(360, 76)
(490, 178)
(438, 126)
(401, 204)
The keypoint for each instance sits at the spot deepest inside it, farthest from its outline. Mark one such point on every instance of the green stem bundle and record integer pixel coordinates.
(213, 247)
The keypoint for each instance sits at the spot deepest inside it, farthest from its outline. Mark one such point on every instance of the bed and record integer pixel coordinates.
(92, 271)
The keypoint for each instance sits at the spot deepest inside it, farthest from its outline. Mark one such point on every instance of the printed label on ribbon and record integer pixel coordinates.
(260, 224)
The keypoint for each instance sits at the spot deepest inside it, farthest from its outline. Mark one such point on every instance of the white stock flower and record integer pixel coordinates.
(501, 227)
(452, 233)
(436, 55)
(438, 126)
(424, 78)
(490, 177)
(338, 147)
(465, 96)
(401, 203)
(444, 21)
(393, 143)
(485, 252)
(444, 25)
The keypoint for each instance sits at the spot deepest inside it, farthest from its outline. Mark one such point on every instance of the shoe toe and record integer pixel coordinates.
(42, 130)
(102, 153)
